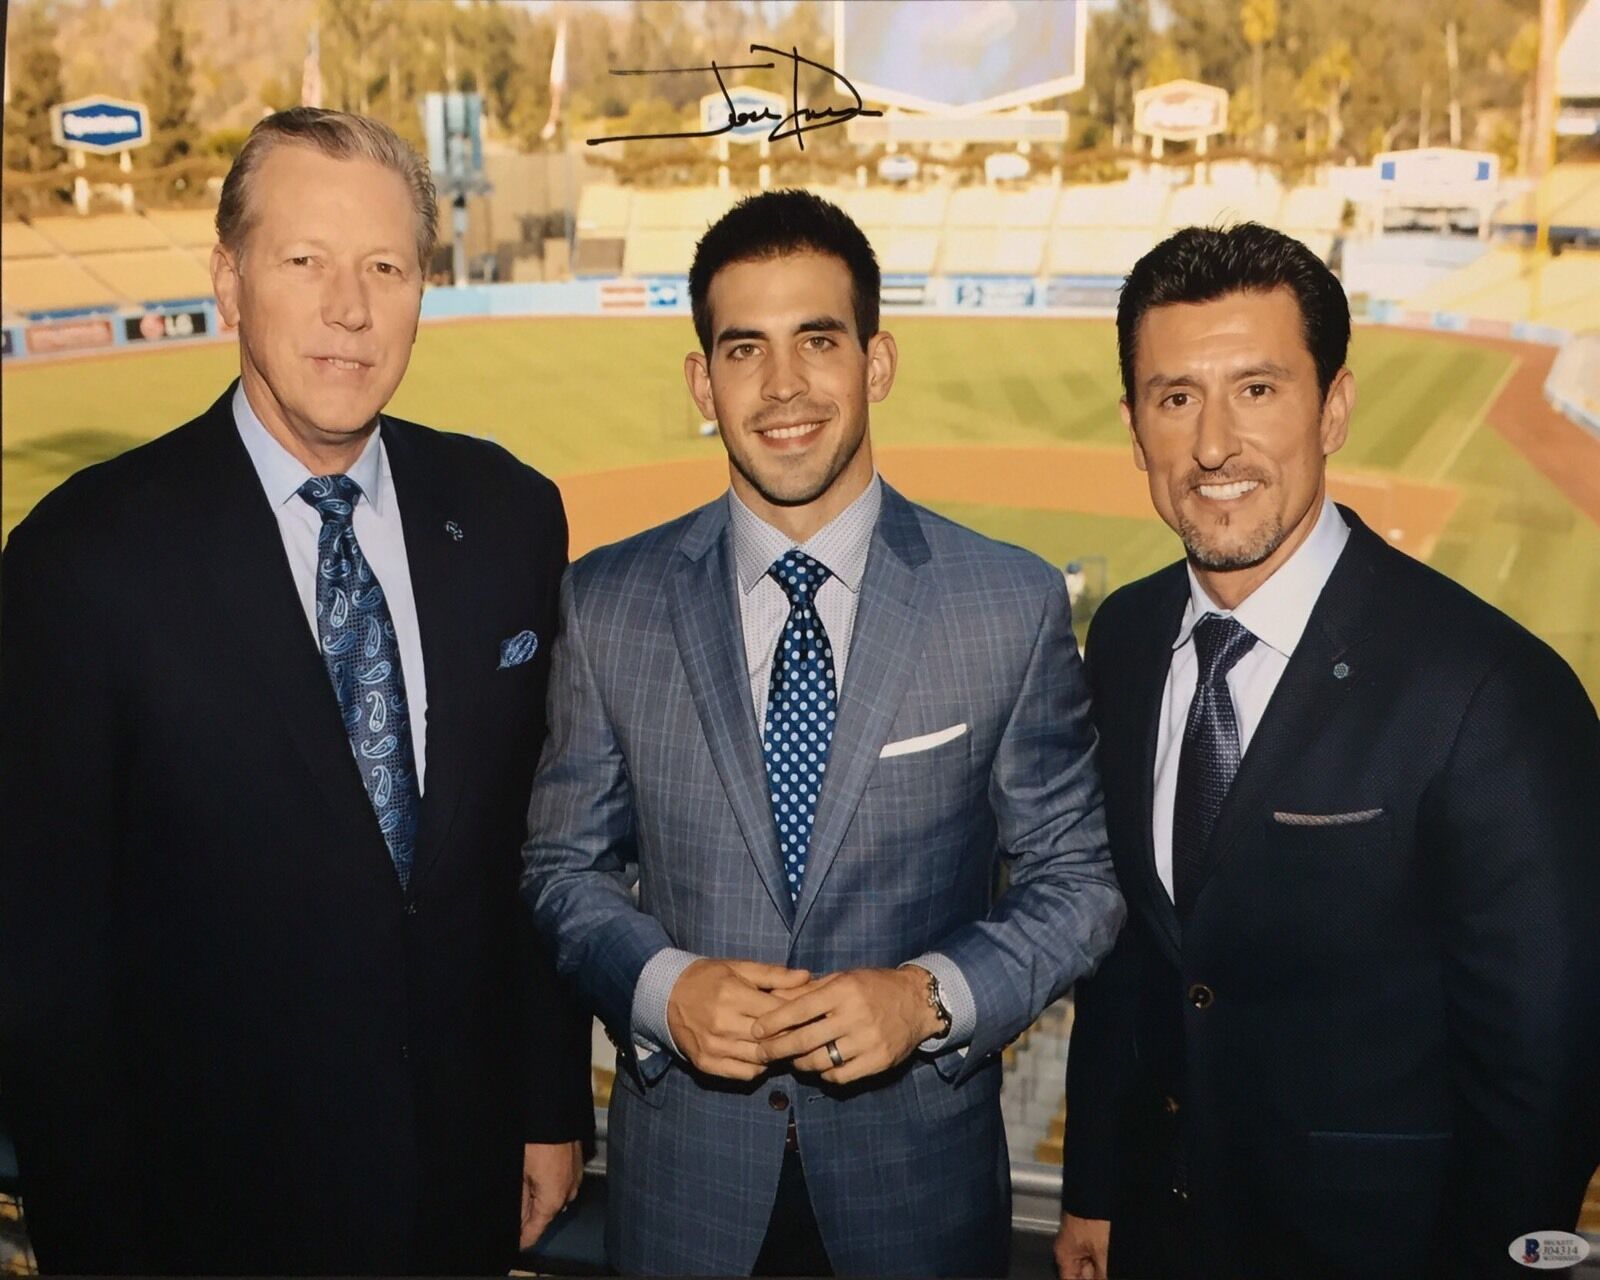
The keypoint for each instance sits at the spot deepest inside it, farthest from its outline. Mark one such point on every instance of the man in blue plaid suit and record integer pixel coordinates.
(810, 724)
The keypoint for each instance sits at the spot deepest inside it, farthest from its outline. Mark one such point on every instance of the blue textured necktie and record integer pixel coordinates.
(357, 639)
(1210, 755)
(800, 712)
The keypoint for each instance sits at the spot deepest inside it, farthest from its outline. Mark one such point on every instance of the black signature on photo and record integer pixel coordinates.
(800, 120)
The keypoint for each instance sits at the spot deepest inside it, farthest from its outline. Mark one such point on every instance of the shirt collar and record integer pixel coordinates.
(841, 545)
(1277, 611)
(282, 474)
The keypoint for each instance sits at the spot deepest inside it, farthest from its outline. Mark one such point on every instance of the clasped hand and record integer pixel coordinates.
(735, 1018)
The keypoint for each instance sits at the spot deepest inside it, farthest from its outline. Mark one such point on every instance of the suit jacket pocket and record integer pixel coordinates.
(939, 1101)
(909, 762)
(1347, 818)
(1349, 831)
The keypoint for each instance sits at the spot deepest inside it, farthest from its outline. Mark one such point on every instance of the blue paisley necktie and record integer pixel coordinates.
(800, 712)
(1209, 757)
(357, 639)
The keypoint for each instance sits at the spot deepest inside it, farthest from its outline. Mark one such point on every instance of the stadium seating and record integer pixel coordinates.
(1208, 205)
(659, 252)
(1569, 197)
(603, 211)
(51, 284)
(1312, 215)
(65, 261)
(1311, 209)
(104, 232)
(905, 252)
(1115, 204)
(1096, 251)
(1103, 229)
(187, 228)
(149, 274)
(1509, 285)
(992, 251)
(663, 227)
(19, 240)
(679, 208)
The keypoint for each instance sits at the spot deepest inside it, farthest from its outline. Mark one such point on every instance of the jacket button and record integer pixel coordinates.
(411, 908)
(778, 1100)
(1201, 996)
(1169, 1104)
(405, 1052)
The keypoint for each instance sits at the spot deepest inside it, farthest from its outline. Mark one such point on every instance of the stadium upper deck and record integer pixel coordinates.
(1089, 231)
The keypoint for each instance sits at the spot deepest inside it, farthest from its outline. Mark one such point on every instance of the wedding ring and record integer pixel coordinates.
(834, 1055)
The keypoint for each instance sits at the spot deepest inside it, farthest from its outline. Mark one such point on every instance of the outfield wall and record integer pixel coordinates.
(105, 329)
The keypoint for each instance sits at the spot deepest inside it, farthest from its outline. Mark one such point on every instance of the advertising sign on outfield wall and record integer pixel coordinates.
(997, 294)
(69, 335)
(159, 326)
(1083, 291)
(8, 343)
(904, 291)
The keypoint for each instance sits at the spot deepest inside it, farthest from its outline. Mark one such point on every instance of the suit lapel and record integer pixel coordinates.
(234, 540)
(709, 634)
(1150, 669)
(885, 648)
(435, 563)
(1307, 697)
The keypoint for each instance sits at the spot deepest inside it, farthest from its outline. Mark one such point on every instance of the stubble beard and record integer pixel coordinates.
(1205, 553)
(835, 468)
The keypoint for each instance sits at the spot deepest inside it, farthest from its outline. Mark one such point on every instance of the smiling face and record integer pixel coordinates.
(325, 293)
(1233, 432)
(788, 385)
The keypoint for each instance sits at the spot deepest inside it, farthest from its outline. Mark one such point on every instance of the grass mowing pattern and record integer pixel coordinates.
(577, 395)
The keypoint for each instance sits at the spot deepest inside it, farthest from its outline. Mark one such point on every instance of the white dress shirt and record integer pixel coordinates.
(378, 529)
(1275, 613)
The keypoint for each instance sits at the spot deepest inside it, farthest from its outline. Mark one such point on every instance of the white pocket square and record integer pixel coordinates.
(922, 742)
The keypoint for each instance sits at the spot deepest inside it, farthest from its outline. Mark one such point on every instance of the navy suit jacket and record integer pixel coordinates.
(230, 1041)
(1372, 1049)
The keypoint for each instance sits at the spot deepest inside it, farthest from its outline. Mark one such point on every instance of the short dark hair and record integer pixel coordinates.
(1201, 264)
(774, 224)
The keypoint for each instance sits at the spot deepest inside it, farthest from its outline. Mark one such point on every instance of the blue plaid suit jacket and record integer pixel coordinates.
(650, 826)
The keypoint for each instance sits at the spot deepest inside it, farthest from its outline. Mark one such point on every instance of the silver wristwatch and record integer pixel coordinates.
(936, 1003)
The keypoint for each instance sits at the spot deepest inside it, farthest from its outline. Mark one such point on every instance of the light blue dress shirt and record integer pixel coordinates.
(378, 530)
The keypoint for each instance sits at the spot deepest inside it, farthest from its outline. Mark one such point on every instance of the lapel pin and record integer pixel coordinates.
(1341, 670)
(453, 529)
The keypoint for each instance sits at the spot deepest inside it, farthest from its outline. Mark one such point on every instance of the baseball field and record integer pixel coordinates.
(1008, 425)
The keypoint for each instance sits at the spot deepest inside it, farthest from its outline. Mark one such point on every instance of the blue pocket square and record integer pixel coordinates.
(517, 650)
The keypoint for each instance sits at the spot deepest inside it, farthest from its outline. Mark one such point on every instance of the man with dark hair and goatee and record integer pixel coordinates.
(1350, 1027)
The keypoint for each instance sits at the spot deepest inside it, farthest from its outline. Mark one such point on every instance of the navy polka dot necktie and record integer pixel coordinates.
(1210, 755)
(356, 636)
(800, 712)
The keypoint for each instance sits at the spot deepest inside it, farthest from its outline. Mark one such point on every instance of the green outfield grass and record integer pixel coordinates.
(573, 396)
